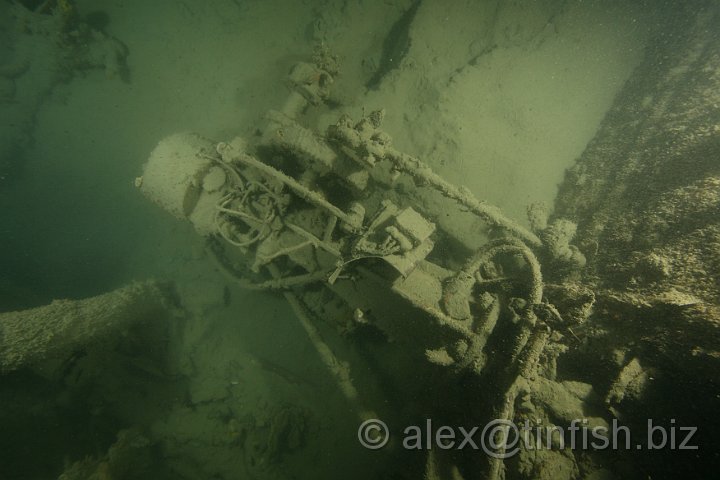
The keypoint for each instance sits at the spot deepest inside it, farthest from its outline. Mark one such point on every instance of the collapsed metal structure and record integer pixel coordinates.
(342, 224)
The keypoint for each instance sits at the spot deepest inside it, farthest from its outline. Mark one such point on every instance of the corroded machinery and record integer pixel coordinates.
(363, 236)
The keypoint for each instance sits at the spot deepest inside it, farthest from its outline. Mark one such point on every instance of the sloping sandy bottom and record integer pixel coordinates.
(505, 103)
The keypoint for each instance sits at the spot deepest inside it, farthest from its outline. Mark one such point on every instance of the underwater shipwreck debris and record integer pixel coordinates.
(53, 332)
(646, 198)
(342, 212)
(544, 324)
